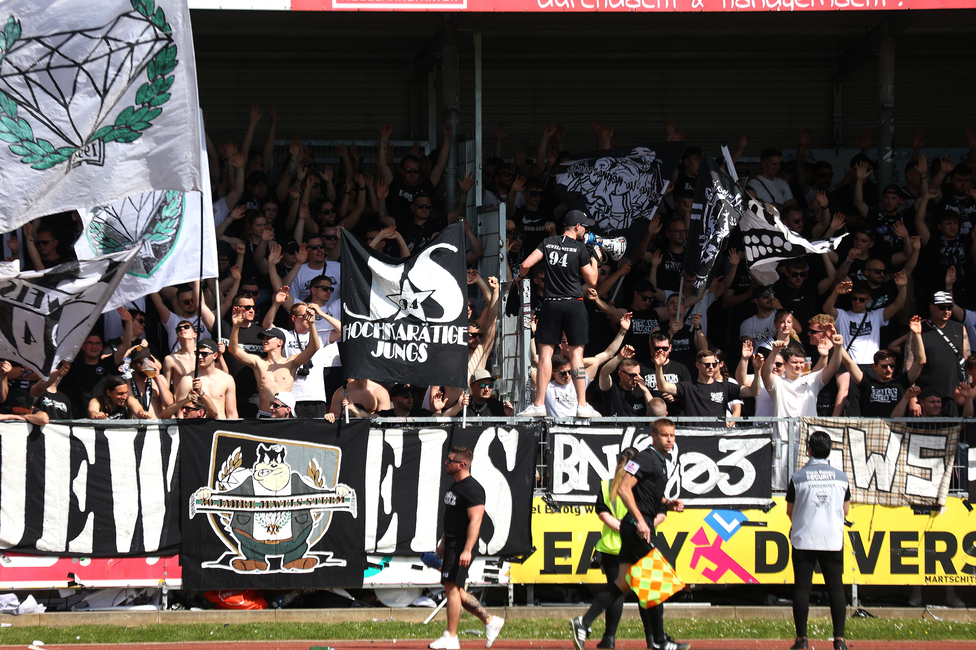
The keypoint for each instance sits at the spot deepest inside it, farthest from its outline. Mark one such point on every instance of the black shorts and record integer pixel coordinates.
(451, 569)
(632, 546)
(558, 316)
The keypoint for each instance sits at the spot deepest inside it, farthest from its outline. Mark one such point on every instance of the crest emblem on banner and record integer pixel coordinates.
(40, 75)
(270, 501)
(156, 227)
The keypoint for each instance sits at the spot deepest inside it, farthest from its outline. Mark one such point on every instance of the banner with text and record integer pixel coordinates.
(404, 500)
(706, 468)
(890, 464)
(93, 490)
(883, 546)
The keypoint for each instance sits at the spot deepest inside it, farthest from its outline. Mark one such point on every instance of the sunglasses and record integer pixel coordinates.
(189, 301)
(534, 193)
(859, 298)
(713, 364)
(190, 409)
(323, 288)
(180, 328)
(411, 170)
(485, 384)
(887, 366)
(43, 242)
(874, 270)
(944, 307)
(778, 364)
(632, 375)
(451, 460)
(645, 298)
(315, 247)
(247, 307)
(327, 211)
(203, 354)
(665, 349)
(330, 237)
(423, 206)
(813, 331)
(474, 335)
(562, 373)
(798, 274)
(277, 406)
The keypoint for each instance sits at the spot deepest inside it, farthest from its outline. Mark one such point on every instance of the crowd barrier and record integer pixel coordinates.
(94, 503)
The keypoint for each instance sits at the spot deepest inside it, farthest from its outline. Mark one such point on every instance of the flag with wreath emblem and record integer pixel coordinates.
(653, 579)
(98, 101)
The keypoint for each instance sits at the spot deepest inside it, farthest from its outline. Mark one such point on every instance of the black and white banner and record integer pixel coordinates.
(406, 479)
(406, 320)
(275, 505)
(890, 464)
(45, 316)
(715, 212)
(90, 490)
(767, 241)
(707, 467)
(618, 186)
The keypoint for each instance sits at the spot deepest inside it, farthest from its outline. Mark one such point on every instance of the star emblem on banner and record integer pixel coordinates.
(409, 301)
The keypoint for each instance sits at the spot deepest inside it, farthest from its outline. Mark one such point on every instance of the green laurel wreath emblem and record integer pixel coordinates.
(129, 124)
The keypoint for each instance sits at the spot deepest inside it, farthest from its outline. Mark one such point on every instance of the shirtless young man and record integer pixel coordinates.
(273, 374)
(181, 363)
(214, 382)
(360, 392)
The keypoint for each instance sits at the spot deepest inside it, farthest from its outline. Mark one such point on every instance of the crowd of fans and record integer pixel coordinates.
(878, 327)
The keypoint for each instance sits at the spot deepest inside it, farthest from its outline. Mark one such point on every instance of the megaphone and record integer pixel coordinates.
(613, 247)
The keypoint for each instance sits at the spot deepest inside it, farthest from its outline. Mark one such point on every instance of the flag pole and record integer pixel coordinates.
(196, 357)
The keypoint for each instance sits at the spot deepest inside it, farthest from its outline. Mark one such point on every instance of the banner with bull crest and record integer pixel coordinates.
(405, 320)
(618, 186)
(279, 509)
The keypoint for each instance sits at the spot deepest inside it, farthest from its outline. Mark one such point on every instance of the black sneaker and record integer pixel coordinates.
(608, 642)
(840, 644)
(579, 632)
(801, 644)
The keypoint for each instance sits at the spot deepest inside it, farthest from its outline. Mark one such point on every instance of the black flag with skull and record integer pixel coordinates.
(405, 320)
(714, 214)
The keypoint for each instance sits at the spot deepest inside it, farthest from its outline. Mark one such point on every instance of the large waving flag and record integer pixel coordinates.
(767, 241)
(98, 101)
(715, 212)
(406, 320)
(45, 316)
(618, 186)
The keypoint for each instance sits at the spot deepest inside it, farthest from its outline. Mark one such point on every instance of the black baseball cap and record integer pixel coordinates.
(273, 333)
(574, 217)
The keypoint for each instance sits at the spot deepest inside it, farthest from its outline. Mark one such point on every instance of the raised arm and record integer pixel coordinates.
(442, 157)
(842, 288)
(603, 357)
(662, 383)
(901, 281)
(862, 171)
(834, 364)
(314, 343)
(627, 352)
(127, 336)
(918, 349)
(902, 406)
(385, 172)
(248, 359)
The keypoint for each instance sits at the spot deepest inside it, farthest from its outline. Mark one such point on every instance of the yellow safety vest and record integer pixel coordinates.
(610, 539)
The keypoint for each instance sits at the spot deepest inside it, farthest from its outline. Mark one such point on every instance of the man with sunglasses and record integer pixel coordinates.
(534, 218)
(411, 179)
(795, 293)
(420, 228)
(315, 266)
(628, 396)
(183, 361)
(482, 403)
(463, 514)
(211, 382)
(185, 306)
(402, 400)
(946, 345)
(860, 327)
(709, 396)
(872, 397)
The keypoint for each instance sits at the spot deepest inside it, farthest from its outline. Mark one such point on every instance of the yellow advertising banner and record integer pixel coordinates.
(883, 546)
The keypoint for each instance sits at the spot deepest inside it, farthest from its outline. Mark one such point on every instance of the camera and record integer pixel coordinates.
(304, 369)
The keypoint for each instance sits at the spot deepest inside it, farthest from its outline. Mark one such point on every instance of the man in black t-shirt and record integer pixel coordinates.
(877, 398)
(627, 396)
(482, 403)
(84, 379)
(642, 491)
(706, 397)
(568, 266)
(404, 188)
(464, 509)
(947, 347)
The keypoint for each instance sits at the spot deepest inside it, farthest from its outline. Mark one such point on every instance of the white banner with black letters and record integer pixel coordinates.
(707, 467)
(92, 490)
(890, 464)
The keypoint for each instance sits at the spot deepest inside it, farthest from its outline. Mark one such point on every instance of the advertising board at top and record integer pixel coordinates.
(656, 6)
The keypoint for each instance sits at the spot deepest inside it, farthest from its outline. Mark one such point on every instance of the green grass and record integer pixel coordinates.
(514, 629)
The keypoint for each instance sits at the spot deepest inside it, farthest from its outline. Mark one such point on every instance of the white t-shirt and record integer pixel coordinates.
(770, 191)
(760, 330)
(329, 351)
(561, 401)
(869, 339)
(796, 398)
(299, 286)
(310, 387)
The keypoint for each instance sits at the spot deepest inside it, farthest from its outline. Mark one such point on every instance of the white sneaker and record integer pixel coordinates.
(492, 630)
(446, 642)
(533, 411)
(587, 412)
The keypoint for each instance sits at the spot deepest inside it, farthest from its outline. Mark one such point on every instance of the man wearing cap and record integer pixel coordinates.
(146, 385)
(214, 383)
(283, 405)
(482, 403)
(273, 373)
(182, 362)
(568, 265)
(946, 350)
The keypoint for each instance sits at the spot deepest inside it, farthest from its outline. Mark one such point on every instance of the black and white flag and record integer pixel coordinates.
(406, 320)
(98, 490)
(715, 212)
(46, 315)
(767, 241)
(618, 186)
